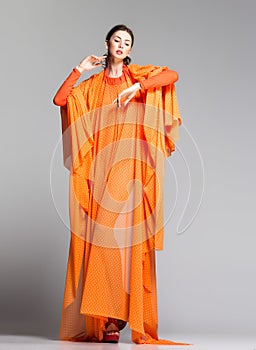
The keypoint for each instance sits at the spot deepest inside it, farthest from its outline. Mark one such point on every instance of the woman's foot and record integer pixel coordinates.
(111, 337)
(112, 333)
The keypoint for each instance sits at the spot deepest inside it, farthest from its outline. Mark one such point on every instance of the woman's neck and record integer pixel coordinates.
(115, 69)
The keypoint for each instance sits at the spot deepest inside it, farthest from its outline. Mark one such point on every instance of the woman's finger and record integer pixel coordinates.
(127, 101)
(95, 57)
(116, 100)
(99, 60)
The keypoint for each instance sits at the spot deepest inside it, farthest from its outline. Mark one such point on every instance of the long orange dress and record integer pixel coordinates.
(116, 157)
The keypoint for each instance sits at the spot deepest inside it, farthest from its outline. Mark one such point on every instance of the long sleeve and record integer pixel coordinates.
(167, 77)
(60, 99)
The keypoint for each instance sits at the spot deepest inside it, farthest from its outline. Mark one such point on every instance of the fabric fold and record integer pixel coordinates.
(116, 158)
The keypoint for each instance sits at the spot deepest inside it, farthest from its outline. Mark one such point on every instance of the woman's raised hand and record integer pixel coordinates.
(90, 62)
(127, 94)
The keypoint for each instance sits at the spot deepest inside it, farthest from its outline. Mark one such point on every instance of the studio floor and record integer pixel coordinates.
(200, 342)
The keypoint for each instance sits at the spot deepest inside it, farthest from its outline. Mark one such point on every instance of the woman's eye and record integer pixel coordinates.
(116, 40)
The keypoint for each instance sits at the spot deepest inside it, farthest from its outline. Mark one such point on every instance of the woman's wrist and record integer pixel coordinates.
(138, 85)
(79, 68)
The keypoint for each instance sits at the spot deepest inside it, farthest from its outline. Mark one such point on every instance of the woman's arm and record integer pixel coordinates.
(60, 99)
(88, 63)
(166, 77)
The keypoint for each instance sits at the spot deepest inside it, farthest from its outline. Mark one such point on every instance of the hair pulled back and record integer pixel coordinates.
(127, 60)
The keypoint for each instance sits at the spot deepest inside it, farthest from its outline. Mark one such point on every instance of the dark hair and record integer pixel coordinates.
(123, 27)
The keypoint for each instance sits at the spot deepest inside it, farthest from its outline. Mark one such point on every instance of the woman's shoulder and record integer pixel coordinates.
(140, 68)
(139, 71)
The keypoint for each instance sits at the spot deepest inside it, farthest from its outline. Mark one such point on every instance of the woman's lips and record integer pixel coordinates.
(119, 52)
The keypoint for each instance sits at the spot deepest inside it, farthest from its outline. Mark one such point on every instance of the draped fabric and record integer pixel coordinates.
(116, 158)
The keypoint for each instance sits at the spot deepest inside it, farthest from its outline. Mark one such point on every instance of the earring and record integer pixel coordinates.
(104, 63)
(127, 60)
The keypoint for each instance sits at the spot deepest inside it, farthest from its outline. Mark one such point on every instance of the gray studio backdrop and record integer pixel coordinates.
(206, 273)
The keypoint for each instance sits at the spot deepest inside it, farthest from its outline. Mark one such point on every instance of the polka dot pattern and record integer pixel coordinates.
(110, 152)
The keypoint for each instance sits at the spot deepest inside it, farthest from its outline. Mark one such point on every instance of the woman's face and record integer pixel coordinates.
(119, 45)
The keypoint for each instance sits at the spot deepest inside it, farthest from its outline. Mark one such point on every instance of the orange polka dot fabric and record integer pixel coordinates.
(116, 160)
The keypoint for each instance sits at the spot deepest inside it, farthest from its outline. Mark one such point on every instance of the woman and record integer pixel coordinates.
(120, 125)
